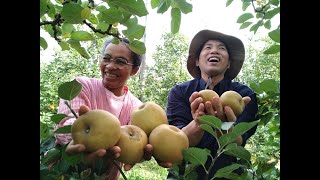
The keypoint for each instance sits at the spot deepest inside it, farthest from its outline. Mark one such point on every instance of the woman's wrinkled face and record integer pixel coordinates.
(213, 59)
(116, 67)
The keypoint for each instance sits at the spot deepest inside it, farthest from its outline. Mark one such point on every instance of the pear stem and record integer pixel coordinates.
(74, 113)
(119, 168)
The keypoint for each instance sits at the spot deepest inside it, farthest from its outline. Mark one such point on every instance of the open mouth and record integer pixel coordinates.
(214, 59)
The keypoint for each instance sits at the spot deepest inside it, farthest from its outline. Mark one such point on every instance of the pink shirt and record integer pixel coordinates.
(96, 96)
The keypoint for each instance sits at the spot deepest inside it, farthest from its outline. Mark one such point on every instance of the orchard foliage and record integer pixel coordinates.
(75, 22)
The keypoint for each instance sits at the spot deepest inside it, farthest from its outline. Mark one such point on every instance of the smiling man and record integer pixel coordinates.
(214, 60)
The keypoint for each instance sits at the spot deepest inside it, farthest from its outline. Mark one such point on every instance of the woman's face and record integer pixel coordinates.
(116, 67)
(213, 59)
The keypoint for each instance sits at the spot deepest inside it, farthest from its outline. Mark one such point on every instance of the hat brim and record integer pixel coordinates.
(234, 46)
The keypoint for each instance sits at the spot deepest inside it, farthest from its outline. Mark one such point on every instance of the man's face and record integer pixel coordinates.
(213, 59)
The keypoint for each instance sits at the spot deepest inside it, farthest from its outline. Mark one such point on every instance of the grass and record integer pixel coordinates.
(147, 170)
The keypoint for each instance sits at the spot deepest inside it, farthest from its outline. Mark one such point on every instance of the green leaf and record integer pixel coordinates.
(275, 35)
(272, 50)
(69, 90)
(85, 13)
(264, 167)
(51, 10)
(163, 7)
(269, 85)
(82, 36)
(56, 118)
(259, 15)
(238, 130)
(274, 2)
(228, 2)
(246, 24)
(67, 28)
(208, 129)
(196, 156)
(134, 30)
(43, 43)
(64, 46)
(47, 144)
(52, 155)
(184, 6)
(237, 151)
(270, 14)
(226, 171)
(243, 127)
(175, 20)
(93, 19)
(110, 16)
(103, 27)
(267, 24)
(154, 3)
(245, 5)
(190, 171)
(136, 7)
(134, 33)
(256, 26)
(244, 17)
(43, 7)
(75, 44)
(211, 120)
(137, 47)
(63, 130)
(71, 13)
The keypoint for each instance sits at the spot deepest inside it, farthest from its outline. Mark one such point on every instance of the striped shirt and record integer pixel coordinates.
(96, 96)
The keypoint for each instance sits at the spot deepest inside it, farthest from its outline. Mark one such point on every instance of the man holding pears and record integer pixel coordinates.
(214, 60)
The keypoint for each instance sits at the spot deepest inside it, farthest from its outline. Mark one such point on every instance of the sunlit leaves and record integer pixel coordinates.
(255, 27)
(63, 129)
(69, 90)
(134, 30)
(71, 13)
(85, 13)
(275, 35)
(244, 17)
(56, 118)
(43, 43)
(64, 46)
(246, 24)
(154, 3)
(195, 155)
(43, 7)
(75, 44)
(136, 7)
(175, 20)
(272, 50)
(163, 6)
(184, 6)
(226, 171)
(137, 47)
(82, 36)
(228, 2)
(110, 16)
(270, 14)
(237, 151)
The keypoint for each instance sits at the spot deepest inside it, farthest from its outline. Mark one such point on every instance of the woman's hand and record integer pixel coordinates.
(91, 157)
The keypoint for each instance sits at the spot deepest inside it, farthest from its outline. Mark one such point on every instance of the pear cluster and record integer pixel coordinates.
(167, 140)
(229, 98)
(99, 129)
